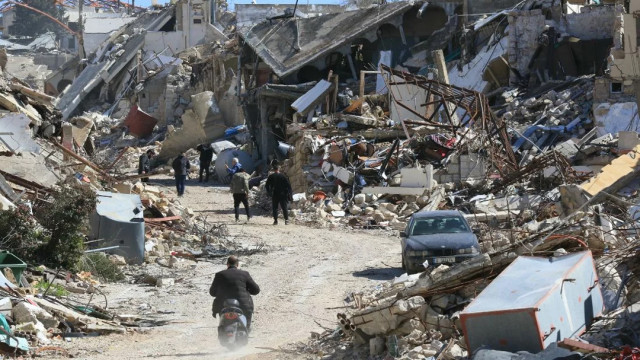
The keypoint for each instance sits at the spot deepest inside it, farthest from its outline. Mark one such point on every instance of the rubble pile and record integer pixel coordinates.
(528, 128)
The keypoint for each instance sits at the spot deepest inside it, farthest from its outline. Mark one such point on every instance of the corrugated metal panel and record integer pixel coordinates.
(534, 302)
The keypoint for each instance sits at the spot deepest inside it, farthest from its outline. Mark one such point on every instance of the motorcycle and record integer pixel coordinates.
(232, 327)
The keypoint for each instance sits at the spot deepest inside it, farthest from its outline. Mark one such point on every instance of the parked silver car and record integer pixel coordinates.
(437, 237)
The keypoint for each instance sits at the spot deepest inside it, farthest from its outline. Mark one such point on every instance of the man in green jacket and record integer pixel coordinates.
(240, 190)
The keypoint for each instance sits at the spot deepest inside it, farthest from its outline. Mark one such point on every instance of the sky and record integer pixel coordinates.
(146, 3)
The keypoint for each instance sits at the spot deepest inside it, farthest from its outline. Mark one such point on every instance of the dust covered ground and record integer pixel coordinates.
(304, 277)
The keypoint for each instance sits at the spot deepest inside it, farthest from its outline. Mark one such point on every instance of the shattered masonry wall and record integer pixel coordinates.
(463, 167)
(593, 22)
(525, 27)
(618, 32)
(626, 59)
(602, 92)
(157, 41)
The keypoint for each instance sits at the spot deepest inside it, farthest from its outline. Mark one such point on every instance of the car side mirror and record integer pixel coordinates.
(403, 234)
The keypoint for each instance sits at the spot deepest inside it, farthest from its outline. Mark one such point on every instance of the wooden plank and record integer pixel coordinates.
(355, 105)
(615, 175)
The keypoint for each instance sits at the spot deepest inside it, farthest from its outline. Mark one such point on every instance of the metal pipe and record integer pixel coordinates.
(101, 249)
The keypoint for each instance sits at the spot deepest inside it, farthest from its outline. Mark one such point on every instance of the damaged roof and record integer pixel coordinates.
(286, 47)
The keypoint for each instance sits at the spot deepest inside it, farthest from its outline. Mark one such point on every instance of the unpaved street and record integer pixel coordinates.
(305, 272)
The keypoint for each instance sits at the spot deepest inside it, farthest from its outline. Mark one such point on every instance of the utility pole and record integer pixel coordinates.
(465, 12)
(81, 53)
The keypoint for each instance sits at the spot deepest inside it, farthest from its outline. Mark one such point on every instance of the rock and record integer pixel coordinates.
(153, 190)
(165, 282)
(37, 328)
(410, 199)
(104, 328)
(332, 207)
(422, 201)
(359, 199)
(441, 301)
(388, 215)
(138, 188)
(117, 259)
(454, 352)
(405, 305)
(355, 210)
(397, 224)
(73, 288)
(338, 199)
(25, 312)
(368, 210)
(376, 345)
(391, 207)
(410, 326)
(123, 187)
(378, 216)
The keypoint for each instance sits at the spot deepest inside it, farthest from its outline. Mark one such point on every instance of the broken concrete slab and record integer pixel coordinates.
(202, 122)
(25, 312)
(15, 134)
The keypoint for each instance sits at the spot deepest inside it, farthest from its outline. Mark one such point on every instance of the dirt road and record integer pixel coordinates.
(306, 272)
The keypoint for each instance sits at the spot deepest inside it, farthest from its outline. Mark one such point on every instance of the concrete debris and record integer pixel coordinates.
(528, 127)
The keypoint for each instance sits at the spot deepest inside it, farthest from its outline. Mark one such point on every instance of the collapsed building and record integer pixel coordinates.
(525, 120)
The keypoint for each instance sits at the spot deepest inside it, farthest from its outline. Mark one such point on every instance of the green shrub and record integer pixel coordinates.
(66, 220)
(21, 234)
(54, 235)
(100, 266)
(54, 289)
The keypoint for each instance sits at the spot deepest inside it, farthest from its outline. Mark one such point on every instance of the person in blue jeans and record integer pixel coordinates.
(181, 168)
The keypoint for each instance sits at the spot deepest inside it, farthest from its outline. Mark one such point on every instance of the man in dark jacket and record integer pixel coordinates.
(234, 284)
(206, 155)
(144, 164)
(279, 188)
(181, 168)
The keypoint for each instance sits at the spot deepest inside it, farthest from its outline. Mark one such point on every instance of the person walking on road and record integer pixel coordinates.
(181, 168)
(206, 155)
(279, 188)
(144, 164)
(240, 191)
(234, 283)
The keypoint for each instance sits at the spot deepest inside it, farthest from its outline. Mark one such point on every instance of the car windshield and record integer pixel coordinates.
(439, 225)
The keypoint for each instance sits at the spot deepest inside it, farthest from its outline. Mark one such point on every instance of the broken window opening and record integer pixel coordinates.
(169, 26)
(197, 21)
(637, 31)
(616, 87)
(309, 73)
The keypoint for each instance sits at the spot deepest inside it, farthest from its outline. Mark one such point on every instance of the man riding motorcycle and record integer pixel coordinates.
(234, 283)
